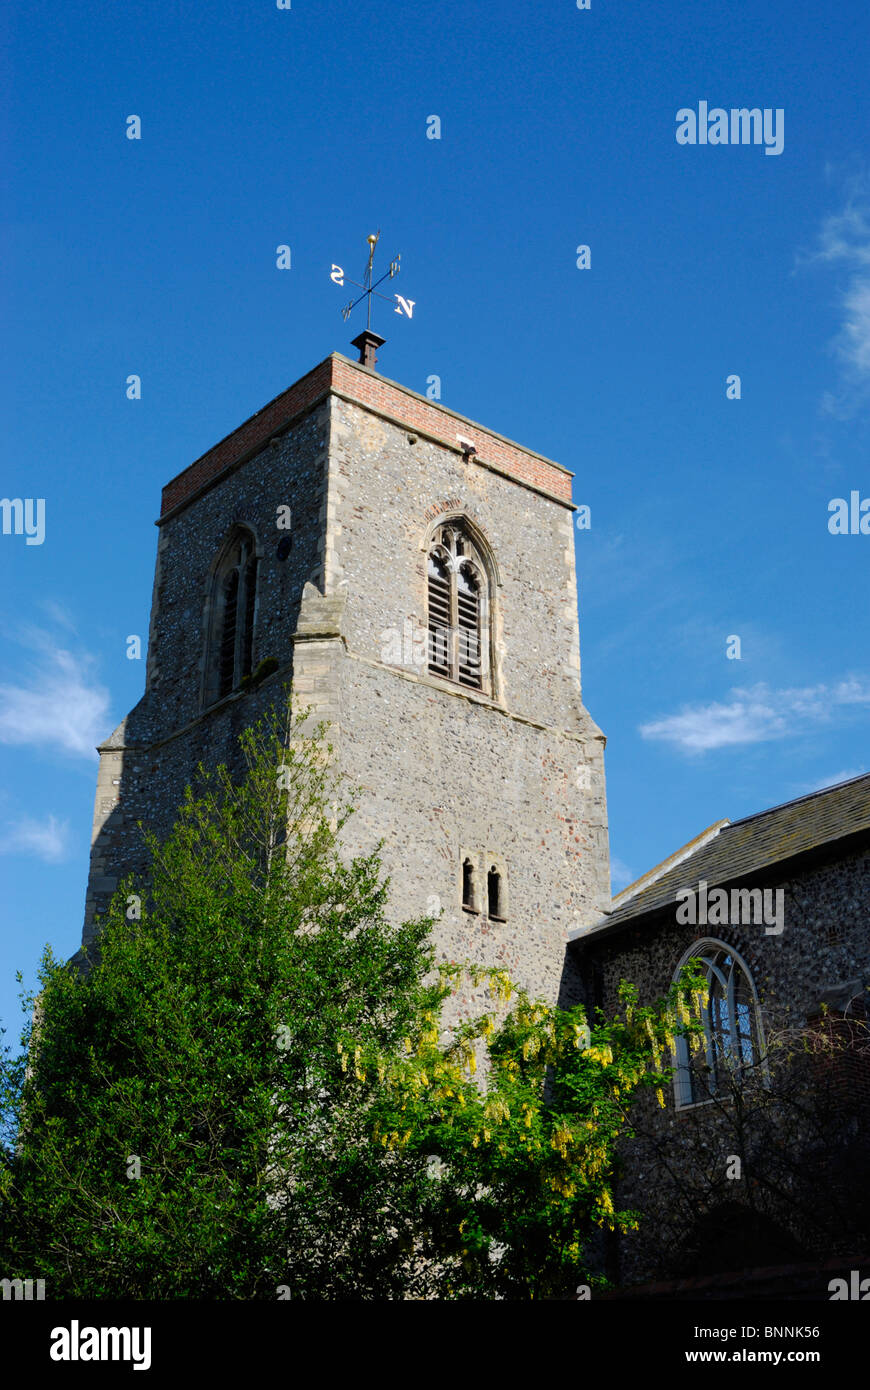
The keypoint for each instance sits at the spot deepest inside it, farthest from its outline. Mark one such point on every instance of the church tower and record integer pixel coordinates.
(413, 572)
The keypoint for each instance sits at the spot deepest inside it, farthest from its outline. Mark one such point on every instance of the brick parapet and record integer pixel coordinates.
(366, 388)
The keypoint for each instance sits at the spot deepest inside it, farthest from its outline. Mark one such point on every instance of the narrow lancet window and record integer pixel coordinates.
(468, 895)
(493, 892)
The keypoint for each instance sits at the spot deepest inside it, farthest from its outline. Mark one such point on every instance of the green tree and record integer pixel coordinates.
(247, 1095)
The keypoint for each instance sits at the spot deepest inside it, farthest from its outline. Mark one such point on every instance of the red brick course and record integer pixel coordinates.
(249, 436)
(367, 389)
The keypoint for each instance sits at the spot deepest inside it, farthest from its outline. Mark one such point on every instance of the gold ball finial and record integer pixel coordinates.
(372, 239)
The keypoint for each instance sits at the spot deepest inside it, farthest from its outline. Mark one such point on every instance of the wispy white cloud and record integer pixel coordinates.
(845, 235)
(620, 875)
(855, 336)
(756, 714)
(47, 839)
(844, 241)
(59, 704)
(819, 783)
(58, 613)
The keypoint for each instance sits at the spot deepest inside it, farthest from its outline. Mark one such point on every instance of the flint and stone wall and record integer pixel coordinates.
(824, 947)
(513, 778)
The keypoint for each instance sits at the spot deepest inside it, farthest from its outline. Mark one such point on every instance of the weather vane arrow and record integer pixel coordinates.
(368, 340)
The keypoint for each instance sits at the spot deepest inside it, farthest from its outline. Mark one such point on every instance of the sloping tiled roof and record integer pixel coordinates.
(745, 847)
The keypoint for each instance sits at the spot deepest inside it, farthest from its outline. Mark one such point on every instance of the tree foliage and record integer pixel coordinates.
(774, 1167)
(250, 1091)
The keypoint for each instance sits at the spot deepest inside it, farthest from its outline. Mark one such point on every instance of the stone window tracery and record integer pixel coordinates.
(459, 608)
(732, 1028)
(231, 619)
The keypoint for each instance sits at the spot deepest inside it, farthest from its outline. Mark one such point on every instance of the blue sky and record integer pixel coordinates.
(308, 127)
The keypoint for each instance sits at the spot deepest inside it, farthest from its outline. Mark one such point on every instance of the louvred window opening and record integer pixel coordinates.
(457, 592)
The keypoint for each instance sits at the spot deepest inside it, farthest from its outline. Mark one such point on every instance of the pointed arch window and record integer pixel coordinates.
(469, 894)
(494, 893)
(732, 1028)
(459, 608)
(233, 600)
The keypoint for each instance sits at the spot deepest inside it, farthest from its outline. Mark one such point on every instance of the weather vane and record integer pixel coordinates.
(368, 340)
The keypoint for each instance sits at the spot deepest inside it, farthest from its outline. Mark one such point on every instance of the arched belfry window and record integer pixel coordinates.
(459, 608)
(732, 1046)
(231, 626)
